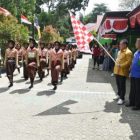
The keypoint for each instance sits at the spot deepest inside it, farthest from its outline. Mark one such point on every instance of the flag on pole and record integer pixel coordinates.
(4, 11)
(25, 20)
(82, 36)
(36, 24)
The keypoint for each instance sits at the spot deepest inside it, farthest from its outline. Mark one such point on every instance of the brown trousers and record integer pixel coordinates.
(10, 68)
(25, 71)
(32, 69)
(41, 69)
(55, 70)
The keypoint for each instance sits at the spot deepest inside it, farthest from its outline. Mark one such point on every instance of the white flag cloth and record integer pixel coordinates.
(82, 36)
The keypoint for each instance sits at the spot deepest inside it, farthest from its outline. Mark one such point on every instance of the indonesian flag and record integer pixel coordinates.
(4, 11)
(82, 36)
(25, 20)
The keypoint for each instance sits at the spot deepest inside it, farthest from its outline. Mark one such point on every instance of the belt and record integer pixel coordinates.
(11, 58)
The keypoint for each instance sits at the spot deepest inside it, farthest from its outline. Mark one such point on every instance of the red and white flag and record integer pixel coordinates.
(25, 20)
(4, 11)
(82, 36)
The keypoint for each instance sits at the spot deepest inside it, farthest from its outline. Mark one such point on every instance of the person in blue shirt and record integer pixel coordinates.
(134, 97)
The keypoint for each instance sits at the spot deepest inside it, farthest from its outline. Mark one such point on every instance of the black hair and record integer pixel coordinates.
(12, 42)
(32, 40)
(25, 43)
(57, 42)
(42, 43)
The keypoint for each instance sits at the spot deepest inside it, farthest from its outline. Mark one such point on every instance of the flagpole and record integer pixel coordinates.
(105, 50)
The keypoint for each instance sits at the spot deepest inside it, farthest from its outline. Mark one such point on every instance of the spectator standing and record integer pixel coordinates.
(134, 97)
(96, 56)
(121, 70)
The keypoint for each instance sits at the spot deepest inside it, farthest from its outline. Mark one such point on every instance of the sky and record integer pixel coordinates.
(113, 5)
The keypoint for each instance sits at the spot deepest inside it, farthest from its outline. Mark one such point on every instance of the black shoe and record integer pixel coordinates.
(136, 108)
(31, 86)
(41, 79)
(18, 70)
(26, 79)
(55, 87)
(11, 84)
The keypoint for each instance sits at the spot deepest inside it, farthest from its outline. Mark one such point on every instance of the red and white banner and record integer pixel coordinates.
(82, 36)
(4, 11)
(134, 20)
(25, 20)
(117, 25)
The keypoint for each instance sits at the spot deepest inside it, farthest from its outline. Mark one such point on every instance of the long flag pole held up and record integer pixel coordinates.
(105, 50)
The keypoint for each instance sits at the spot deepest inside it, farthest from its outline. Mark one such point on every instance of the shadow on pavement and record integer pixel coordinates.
(132, 118)
(35, 82)
(20, 91)
(47, 93)
(98, 76)
(59, 109)
(4, 89)
(20, 81)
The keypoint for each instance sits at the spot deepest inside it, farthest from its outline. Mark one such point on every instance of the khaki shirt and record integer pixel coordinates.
(54, 56)
(11, 53)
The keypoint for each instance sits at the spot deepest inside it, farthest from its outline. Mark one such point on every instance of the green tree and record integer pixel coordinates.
(51, 34)
(129, 4)
(99, 9)
(10, 29)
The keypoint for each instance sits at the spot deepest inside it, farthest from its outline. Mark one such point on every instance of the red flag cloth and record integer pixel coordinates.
(25, 20)
(82, 36)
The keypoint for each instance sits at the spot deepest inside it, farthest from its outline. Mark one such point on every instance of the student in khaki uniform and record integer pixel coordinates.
(24, 53)
(66, 60)
(43, 59)
(11, 61)
(56, 63)
(32, 61)
(121, 69)
(19, 50)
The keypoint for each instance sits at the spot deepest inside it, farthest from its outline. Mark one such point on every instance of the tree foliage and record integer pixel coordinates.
(10, 29)
(56, 15)
(129, 4)
(99, 9)
(50, 35)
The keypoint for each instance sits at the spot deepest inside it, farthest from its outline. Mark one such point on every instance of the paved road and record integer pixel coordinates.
(81, 109)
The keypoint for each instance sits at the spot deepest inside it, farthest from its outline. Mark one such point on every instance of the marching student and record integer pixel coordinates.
(24, 53)
(19, 50)
(32, 61)
(43, 60)
(11, 61)
(56, 63)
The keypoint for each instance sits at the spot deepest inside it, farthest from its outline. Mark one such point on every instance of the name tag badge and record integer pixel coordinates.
(31, 55)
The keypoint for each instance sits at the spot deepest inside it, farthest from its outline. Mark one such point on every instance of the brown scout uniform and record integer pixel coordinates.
(11, 62)
(43, 59)
(32, 62)
(56, 64)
